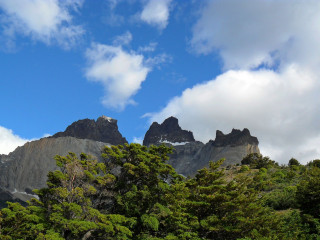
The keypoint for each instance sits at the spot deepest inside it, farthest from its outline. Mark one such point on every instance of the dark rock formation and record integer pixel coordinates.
(26, 168)
(235, 138)
(193, 155)
(105, 129)
(167, 132)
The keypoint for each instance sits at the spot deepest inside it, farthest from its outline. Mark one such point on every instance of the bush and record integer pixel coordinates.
(282, 199)
(244, 168)
(293, 162)
(256, 160)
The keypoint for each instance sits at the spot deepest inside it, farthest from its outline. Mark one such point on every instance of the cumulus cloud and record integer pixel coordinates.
(120, 72)
(9, 141)
(249, 33)
(278, 108)
(271, 79)
(156, 13)
(49, 21)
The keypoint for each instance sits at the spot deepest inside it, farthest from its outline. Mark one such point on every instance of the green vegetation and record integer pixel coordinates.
(135, 194)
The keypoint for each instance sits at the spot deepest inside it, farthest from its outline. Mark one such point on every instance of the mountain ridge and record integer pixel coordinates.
(26, 168)
(193, 155)
(104, 129)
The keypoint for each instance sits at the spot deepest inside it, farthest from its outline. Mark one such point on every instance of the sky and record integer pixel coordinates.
(215, 65)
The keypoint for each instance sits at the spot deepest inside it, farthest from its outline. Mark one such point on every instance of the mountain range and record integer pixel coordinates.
(26, 168)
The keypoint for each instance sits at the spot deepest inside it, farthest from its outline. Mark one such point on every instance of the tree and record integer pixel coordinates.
(293, 162)
(256, 160)
(143, 179)
(64, 209)
(315, 163)
(135, 194)
(227, 210)
(308, 193)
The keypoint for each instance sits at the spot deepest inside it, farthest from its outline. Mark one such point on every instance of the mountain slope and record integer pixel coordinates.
(190, 155)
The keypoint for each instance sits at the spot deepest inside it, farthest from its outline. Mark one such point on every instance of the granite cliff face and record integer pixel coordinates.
(105, 129)
(26, 168)
(193, 155)
(167, 132)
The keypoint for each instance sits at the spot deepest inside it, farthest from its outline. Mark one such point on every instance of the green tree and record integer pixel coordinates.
(308, 193)
(315, 163)
(143, 180)
(256, 160)
(64, 209)
(227, 210)
(293, 162)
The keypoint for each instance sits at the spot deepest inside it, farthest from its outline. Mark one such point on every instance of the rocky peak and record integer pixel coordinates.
(104, 129)
(235, 138)
(167, 132)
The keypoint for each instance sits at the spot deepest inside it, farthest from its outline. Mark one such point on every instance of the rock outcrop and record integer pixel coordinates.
(235, 138)
(193, 155)
(104, 129)
(167, 132)
(26, 168)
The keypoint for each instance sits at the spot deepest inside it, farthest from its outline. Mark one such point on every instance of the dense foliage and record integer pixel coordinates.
(135, 194)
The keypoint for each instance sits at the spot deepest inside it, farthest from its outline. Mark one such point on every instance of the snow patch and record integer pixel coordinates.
(32, 195)
(109, 119)
(174, 143)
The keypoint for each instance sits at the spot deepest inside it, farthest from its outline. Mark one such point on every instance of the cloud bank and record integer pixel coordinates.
(249, 33)
(48, 21)
(120, 72)
(271, 79)
(156, 13)
(9, 141)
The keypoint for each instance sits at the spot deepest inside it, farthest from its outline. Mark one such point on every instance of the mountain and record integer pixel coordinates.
(26, 168)
(167, 132)
(190, 155)
(104, 129)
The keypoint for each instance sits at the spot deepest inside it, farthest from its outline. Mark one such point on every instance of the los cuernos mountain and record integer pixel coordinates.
(26, 168)
(190, 155)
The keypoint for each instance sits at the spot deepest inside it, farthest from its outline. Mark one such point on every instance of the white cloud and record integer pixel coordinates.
(137, 140)
(249, 33)
(9, 141)
(279, 108)
(156, 13)
(120, 72)
(158, 60)
(279, 103)
(49, 21)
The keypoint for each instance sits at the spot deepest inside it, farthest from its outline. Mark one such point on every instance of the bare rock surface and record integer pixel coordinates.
(193, 155)
(167, 132)
(26, 168)
(104, 129)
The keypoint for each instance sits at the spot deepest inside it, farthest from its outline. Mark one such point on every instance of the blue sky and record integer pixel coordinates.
(218, 64)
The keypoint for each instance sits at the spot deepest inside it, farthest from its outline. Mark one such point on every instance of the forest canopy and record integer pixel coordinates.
(135, 194)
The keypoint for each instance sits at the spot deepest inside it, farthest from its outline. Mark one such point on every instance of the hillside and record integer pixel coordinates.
(146, 199)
